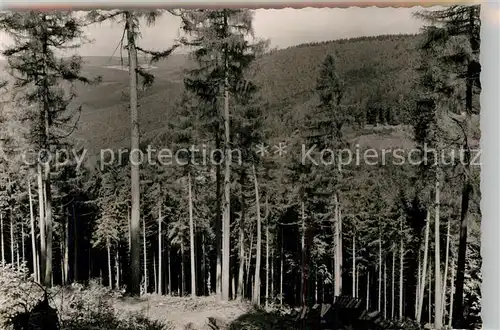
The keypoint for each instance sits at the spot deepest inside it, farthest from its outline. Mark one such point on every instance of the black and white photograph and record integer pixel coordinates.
(242, 169)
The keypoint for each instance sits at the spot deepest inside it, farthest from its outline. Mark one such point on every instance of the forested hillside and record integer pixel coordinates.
(379, 72)
(291, 220)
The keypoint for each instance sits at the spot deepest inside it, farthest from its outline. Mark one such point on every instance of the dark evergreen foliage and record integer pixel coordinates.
(318, 221)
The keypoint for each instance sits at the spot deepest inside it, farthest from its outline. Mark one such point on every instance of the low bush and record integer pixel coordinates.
(260, 319)
(90, 308)
(19, 293)
(83, 308)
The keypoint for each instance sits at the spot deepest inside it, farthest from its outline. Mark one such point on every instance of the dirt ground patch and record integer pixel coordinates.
(184, 312)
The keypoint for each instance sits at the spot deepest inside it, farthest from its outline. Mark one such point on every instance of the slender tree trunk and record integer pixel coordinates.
(135, 219)
(180, 282)
(452, 292)
(336, 244)
(251, 283)
(63, 276)
(368, 291)
(183, 276)
(41, 224)
(45, 125)
(419, 275)
(33, 237)
(241, 240)
(209, 278)
(438, 319)
(303, 258)
(267, 252)
(66, 249)
(385, 289)
(22, 243)
(430, 293)
(117, 266)
(340, 249)
(393, 292)
(242, 263)
(75, 245)
(272, 274)
(91, 268)
(462, 249)
(249, 261)
(110, 271)
(160, 239)
(169, 270)
(145, 252)
(354, 265)
(322, 289)
(424, 269)
(445, 279)
(203, 265)
(155, 275)
(256, 289)
(466, 191)
(18, 261)
(38, 265)
(49, 231)
(315, 287)
(3, 242)
(332, 270)
(401, 271)
(233, 288)
(281, 269)
(226, 249)
(218, 229)
(380, 273)
(357, 282)
(129, 232)
(12, 240)
(191, 239)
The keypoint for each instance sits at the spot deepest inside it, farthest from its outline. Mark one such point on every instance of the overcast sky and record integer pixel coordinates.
(284, 27)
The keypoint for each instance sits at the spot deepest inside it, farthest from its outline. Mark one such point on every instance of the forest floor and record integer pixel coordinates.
(184, 312)
(94, 305)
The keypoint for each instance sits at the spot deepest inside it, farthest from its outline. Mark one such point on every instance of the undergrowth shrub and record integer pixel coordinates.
(79, 307)
(90, 308)
(18, 293)
(407, 324)
(260, 319)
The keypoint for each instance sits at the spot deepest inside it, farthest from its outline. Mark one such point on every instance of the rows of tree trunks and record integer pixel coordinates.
(328, 230)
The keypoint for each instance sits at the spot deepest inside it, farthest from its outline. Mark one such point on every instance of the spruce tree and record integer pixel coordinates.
(457, 30)
(223, 55)
(39, 75)
(324, 137)
(131, 26)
